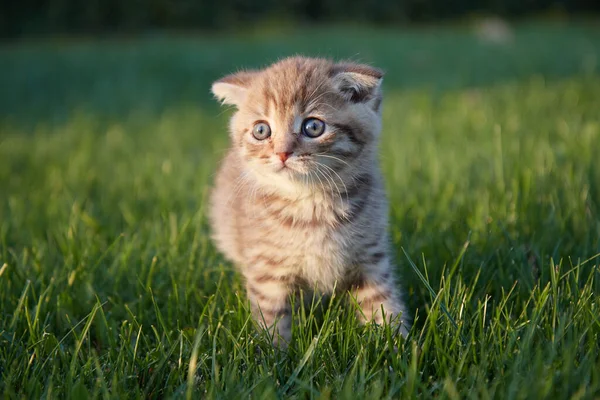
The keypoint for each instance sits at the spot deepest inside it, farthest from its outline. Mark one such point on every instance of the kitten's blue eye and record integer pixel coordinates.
(261, 131)
(313, 127)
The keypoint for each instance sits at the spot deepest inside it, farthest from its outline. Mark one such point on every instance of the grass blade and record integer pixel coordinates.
(433, 294)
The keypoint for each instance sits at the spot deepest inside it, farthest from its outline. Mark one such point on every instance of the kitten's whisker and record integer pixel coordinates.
(307, 179)
(324, 175)
(337, 187)
(312, 181)
(330, 156)
(322, 185)
(339, 177)
(332, 178)
(355, 179)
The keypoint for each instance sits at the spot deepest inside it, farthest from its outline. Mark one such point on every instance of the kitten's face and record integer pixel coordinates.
(303, 120)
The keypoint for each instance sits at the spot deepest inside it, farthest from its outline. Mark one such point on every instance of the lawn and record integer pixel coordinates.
(111, 287)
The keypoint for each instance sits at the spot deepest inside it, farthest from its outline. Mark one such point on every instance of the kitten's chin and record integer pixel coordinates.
(291, 177)
(285, 181)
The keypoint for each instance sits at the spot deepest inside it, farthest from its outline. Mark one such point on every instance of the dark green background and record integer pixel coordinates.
(35, 17)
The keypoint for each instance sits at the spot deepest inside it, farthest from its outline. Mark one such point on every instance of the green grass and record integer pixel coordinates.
(110, 286)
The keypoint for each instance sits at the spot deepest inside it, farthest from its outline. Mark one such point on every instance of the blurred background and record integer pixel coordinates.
(117, 56)
(102, 16)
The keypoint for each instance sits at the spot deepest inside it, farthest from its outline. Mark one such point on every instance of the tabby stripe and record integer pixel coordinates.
(263, 278)
(301, 282)
(349, 132)
(269, 98)
(378, 298)
(271, 197)
(375, 258)
(263, 241)
(341, 153)
(290, 222)
(272, 312)
(275, 207)
(258, 295)
(303, 99)
(372, 245)
(358, 184)
(264, 260)
(377, 103)
(376, 239)
(357, 208)
(359, 283)
(274, 204)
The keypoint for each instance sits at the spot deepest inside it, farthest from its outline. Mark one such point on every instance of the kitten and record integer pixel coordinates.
(299, 198)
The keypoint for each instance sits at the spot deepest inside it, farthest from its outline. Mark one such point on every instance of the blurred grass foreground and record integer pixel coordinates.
(110, 286)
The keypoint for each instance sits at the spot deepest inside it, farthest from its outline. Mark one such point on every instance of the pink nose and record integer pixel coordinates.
(284, 156)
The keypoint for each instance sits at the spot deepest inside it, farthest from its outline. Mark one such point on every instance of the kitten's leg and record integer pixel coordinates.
(376, 290)
(270, 306)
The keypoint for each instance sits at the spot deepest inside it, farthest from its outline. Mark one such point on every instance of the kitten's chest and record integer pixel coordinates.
(316, 244)
(325, 258)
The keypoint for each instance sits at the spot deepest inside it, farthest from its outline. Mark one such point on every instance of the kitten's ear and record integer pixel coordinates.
(232, 89)
(357, 82)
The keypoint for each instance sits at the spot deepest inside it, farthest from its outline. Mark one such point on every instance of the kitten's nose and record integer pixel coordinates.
(284, 156)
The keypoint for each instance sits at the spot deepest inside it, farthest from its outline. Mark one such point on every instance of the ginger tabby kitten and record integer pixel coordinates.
(299, 198)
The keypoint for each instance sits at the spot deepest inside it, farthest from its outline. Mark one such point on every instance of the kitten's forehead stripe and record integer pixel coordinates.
(350, 132)
(269, 101)
(297, 81)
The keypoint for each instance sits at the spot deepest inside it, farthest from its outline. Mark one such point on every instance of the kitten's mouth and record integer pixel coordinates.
(287, 170)
(283, 166)
(293, 169)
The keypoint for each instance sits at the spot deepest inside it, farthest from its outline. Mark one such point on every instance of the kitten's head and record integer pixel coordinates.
(302, 120)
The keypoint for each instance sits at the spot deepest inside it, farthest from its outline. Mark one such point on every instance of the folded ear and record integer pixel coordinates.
(358, 83)
(232, 89)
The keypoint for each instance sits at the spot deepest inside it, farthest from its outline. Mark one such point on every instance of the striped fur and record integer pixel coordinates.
(318, 219)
